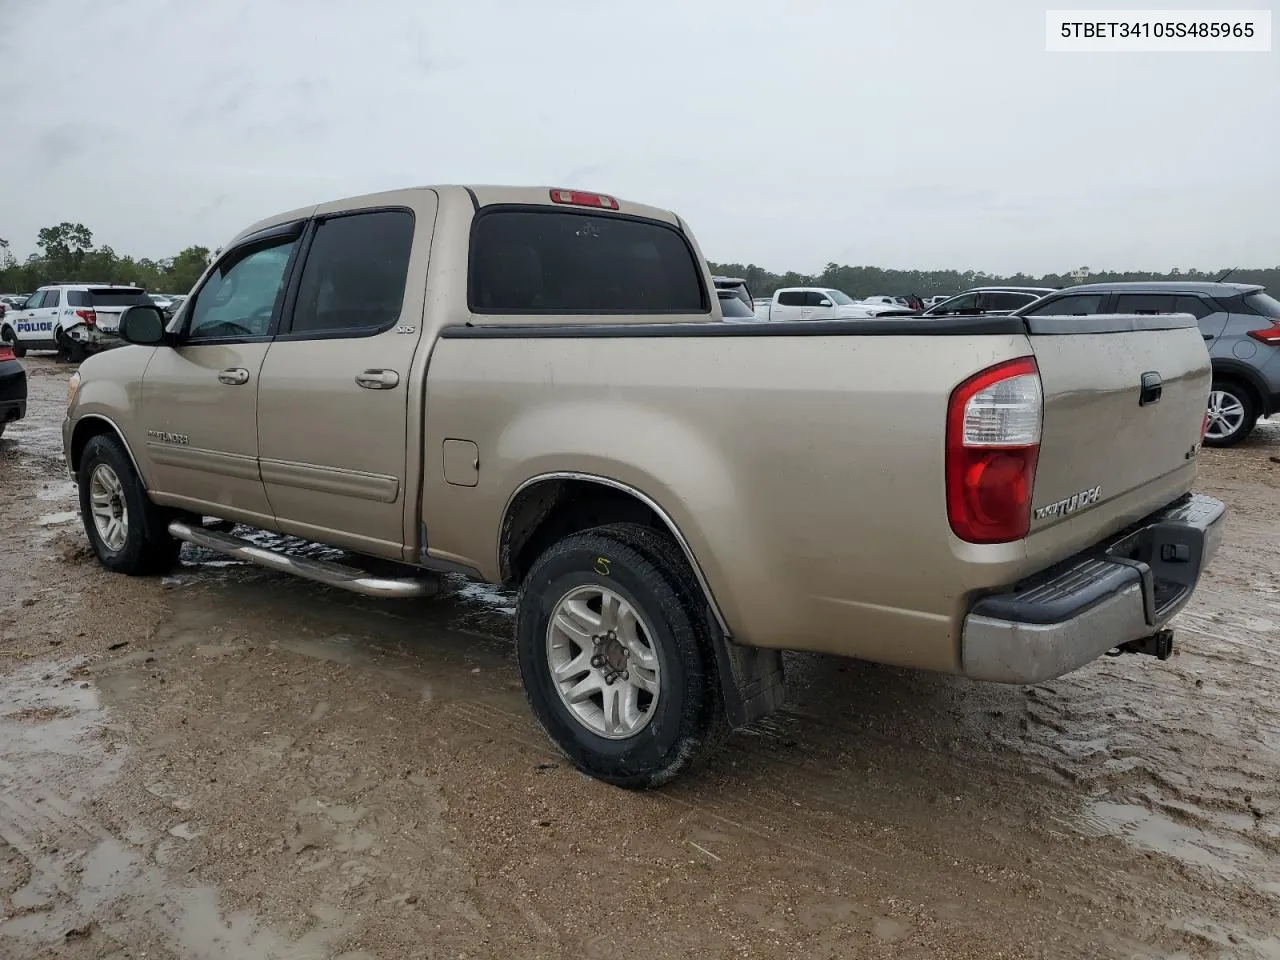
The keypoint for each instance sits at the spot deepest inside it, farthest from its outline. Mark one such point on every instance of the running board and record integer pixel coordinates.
(322, 571)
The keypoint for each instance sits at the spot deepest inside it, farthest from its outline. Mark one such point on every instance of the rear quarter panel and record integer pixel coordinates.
(805, 472)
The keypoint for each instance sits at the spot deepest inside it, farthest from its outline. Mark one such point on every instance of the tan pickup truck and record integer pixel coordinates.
(536, 387)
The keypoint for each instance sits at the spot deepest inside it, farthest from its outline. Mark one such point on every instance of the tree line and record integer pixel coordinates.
(67, 253)
(875, 281)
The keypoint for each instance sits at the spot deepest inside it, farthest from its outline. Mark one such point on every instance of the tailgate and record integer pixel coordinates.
(1124, 406)
(109, 318)
(110, 303)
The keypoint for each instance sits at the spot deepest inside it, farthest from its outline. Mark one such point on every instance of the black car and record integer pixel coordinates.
(13, 388)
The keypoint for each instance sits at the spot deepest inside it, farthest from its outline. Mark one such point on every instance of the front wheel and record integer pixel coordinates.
(1232, 414)
(616, 660)
(127, 531)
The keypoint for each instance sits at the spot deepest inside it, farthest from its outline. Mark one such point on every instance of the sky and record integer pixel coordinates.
(924, 134)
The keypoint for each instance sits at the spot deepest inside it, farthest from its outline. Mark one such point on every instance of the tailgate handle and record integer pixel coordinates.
(1151, 389)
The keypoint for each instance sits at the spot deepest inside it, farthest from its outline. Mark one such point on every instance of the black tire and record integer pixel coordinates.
(650, 574)
(147, 547)
(12, 340)
(1246, 399)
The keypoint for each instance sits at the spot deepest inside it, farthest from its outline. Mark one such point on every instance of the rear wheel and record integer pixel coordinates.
(616, 658)
(1232, 414)
(127, 531)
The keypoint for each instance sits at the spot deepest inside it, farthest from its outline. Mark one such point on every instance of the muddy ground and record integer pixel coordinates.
(228, 763)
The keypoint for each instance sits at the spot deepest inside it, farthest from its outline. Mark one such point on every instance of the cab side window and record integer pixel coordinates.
(354, 279)
(51, 298)
(34, 301)
(242, 295)
(791, 298)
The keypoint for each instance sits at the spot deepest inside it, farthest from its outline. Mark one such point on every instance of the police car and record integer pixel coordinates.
(75, 319)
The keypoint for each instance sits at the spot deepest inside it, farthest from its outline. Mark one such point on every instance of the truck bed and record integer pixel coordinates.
(804, 462)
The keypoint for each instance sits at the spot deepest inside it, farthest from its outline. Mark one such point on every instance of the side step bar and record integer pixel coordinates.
(322, 571)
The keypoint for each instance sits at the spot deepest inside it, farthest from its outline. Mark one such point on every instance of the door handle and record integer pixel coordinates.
(378, 379)
(235, 376)
(1207, 336)
(1151, 389)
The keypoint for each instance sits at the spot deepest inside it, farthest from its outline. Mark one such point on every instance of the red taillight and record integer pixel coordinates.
(88, 316)
(993, 443)
(1268, 335)
(6, 353)
(579, 198)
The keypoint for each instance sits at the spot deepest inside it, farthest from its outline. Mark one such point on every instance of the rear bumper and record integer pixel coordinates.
(93, 337)
(1125, 589)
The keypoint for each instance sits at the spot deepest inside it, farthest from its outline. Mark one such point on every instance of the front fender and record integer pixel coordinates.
(111, 394)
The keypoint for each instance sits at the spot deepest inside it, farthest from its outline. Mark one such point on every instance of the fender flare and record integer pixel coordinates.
(1229, 368)
(112, 427)
(752, 679)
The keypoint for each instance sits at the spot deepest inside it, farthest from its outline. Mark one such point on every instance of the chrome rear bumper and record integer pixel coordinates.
(1118, 592)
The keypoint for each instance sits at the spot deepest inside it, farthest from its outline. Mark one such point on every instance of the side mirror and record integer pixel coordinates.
(824, 302)
(143, 325)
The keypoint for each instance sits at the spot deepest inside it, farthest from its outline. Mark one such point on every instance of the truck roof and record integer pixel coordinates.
(475, 195)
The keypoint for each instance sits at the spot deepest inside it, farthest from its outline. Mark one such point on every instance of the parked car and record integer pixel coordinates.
(735, 285)
(1239, 321)
(75, 319)
(820, 303)
(990, 300)
(733, 309)
(533, 387)
(13, 388)
(175, 304)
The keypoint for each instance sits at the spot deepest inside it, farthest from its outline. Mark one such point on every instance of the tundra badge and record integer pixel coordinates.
(1077, 501)
(164, 436)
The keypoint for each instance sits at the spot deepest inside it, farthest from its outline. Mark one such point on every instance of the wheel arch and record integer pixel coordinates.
(96, 425)
(554, 504)
(1243, 374)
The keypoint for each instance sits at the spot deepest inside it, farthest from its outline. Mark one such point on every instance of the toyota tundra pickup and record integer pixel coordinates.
(533, 387)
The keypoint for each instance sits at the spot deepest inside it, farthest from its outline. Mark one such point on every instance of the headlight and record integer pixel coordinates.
(73, 387)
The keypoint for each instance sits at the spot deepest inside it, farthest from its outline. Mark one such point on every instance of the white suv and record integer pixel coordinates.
(75, 319)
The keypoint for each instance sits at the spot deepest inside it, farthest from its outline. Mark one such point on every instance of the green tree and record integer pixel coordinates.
(66, 244)
(185, 269)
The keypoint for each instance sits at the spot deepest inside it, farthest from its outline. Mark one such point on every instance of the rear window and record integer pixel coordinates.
(120, 297)
(548, 262)
(1263, 304)
(731, 305)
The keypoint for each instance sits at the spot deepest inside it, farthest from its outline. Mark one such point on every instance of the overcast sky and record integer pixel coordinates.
(926, 134)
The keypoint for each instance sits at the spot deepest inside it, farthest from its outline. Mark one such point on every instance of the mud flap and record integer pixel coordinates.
(751, 678)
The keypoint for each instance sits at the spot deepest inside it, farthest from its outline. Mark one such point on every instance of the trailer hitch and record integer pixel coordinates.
(1158, 645)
